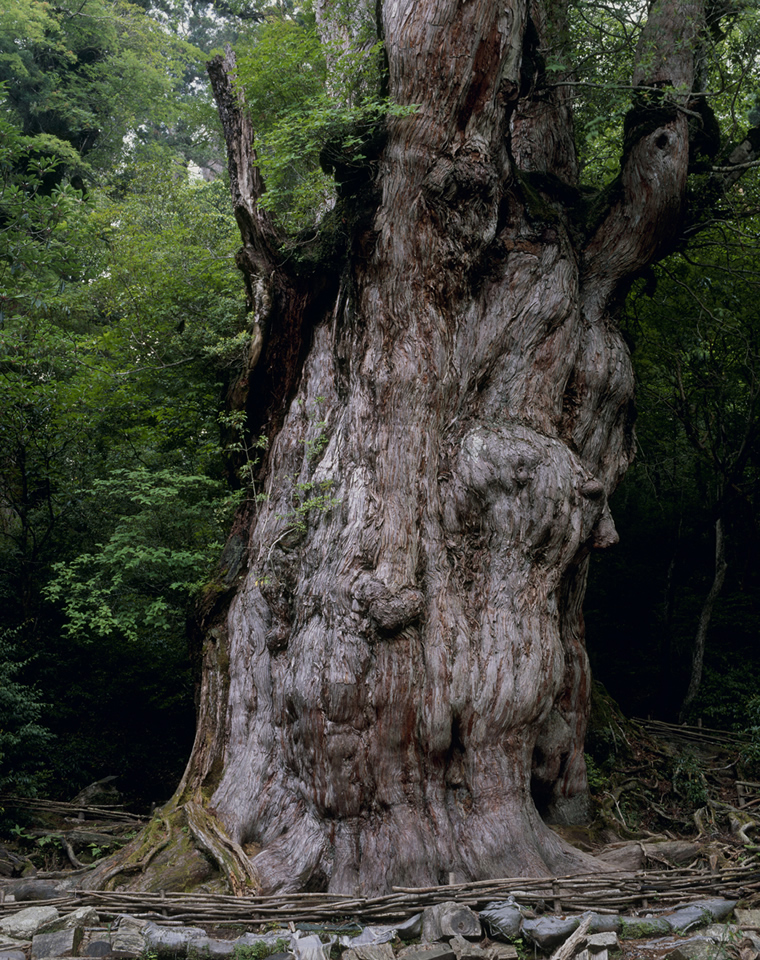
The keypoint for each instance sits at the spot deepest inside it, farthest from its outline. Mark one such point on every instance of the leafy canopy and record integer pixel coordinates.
(316, 105)
(79, 77)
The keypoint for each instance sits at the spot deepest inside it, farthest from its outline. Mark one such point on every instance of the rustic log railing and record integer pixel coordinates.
(610, 893)
(81, 811)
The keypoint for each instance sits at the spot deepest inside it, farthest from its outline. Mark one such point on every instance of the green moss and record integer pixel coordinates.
(639, 929)
(180, 867)
(152, 835)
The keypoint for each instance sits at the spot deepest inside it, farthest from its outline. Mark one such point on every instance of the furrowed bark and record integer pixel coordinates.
(401, 678)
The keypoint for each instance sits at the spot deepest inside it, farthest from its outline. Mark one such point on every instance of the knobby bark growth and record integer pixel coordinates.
(395, 679)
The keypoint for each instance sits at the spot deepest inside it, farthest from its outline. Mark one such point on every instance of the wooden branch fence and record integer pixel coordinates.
(74, 810)
(704, 736)
(610, 893)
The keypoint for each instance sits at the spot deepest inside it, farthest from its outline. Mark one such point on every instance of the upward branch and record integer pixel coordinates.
(645, 215)
(260, 239)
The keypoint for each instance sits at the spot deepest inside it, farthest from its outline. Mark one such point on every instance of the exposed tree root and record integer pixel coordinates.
(69, 850)
(140, 866)
(229, 855)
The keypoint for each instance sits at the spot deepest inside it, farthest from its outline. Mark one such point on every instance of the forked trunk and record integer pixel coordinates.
(400, 677)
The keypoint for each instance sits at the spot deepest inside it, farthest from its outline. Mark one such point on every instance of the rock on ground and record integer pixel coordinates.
(59, 943)
(24, 924)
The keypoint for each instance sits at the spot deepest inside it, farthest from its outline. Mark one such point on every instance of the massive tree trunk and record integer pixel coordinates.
(399, 681)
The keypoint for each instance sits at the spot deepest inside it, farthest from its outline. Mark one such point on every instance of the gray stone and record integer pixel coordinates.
(24, 924)
(12, 954)
(310, 947)
(60, 943)
(10, 944)
(100, 793)
(502, 920)
(410, 929)
(604, 923)
(549, 932)
(81, 917)
(426, 951)
(97, 948)
(466, 950)
(699, 914)
(448, 919)
(695, 948)
(128, 937)
(717, 907)
(208, 947)
(749, 918)
(722, 932)
(602, 941)
(639, 928)
(169, 941)
(373, 951)
(587, 955)
(369, 951)
(502, 951)
(11, 864)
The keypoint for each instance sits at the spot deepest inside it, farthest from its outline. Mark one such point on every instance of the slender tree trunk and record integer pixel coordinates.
(400, 674)
(705, 616)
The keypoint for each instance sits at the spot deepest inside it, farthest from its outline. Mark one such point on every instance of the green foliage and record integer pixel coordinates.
(751, 753)
(315, 108)
(307, 497)
(39, 230)
(603, 39)
(166, 533)
(597, 779)
(593, 63)
(87, 74)
(114, 348)
(24, 740)
(243, 449)
(120, 309)
(689, 780)
(260, 950)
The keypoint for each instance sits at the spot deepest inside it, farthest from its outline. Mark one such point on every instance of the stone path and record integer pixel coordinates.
(701, 930)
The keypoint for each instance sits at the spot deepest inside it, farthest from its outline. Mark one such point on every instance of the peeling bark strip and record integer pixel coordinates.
(400, 680)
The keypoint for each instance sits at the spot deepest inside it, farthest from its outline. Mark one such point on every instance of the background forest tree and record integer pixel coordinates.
(123, 332)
